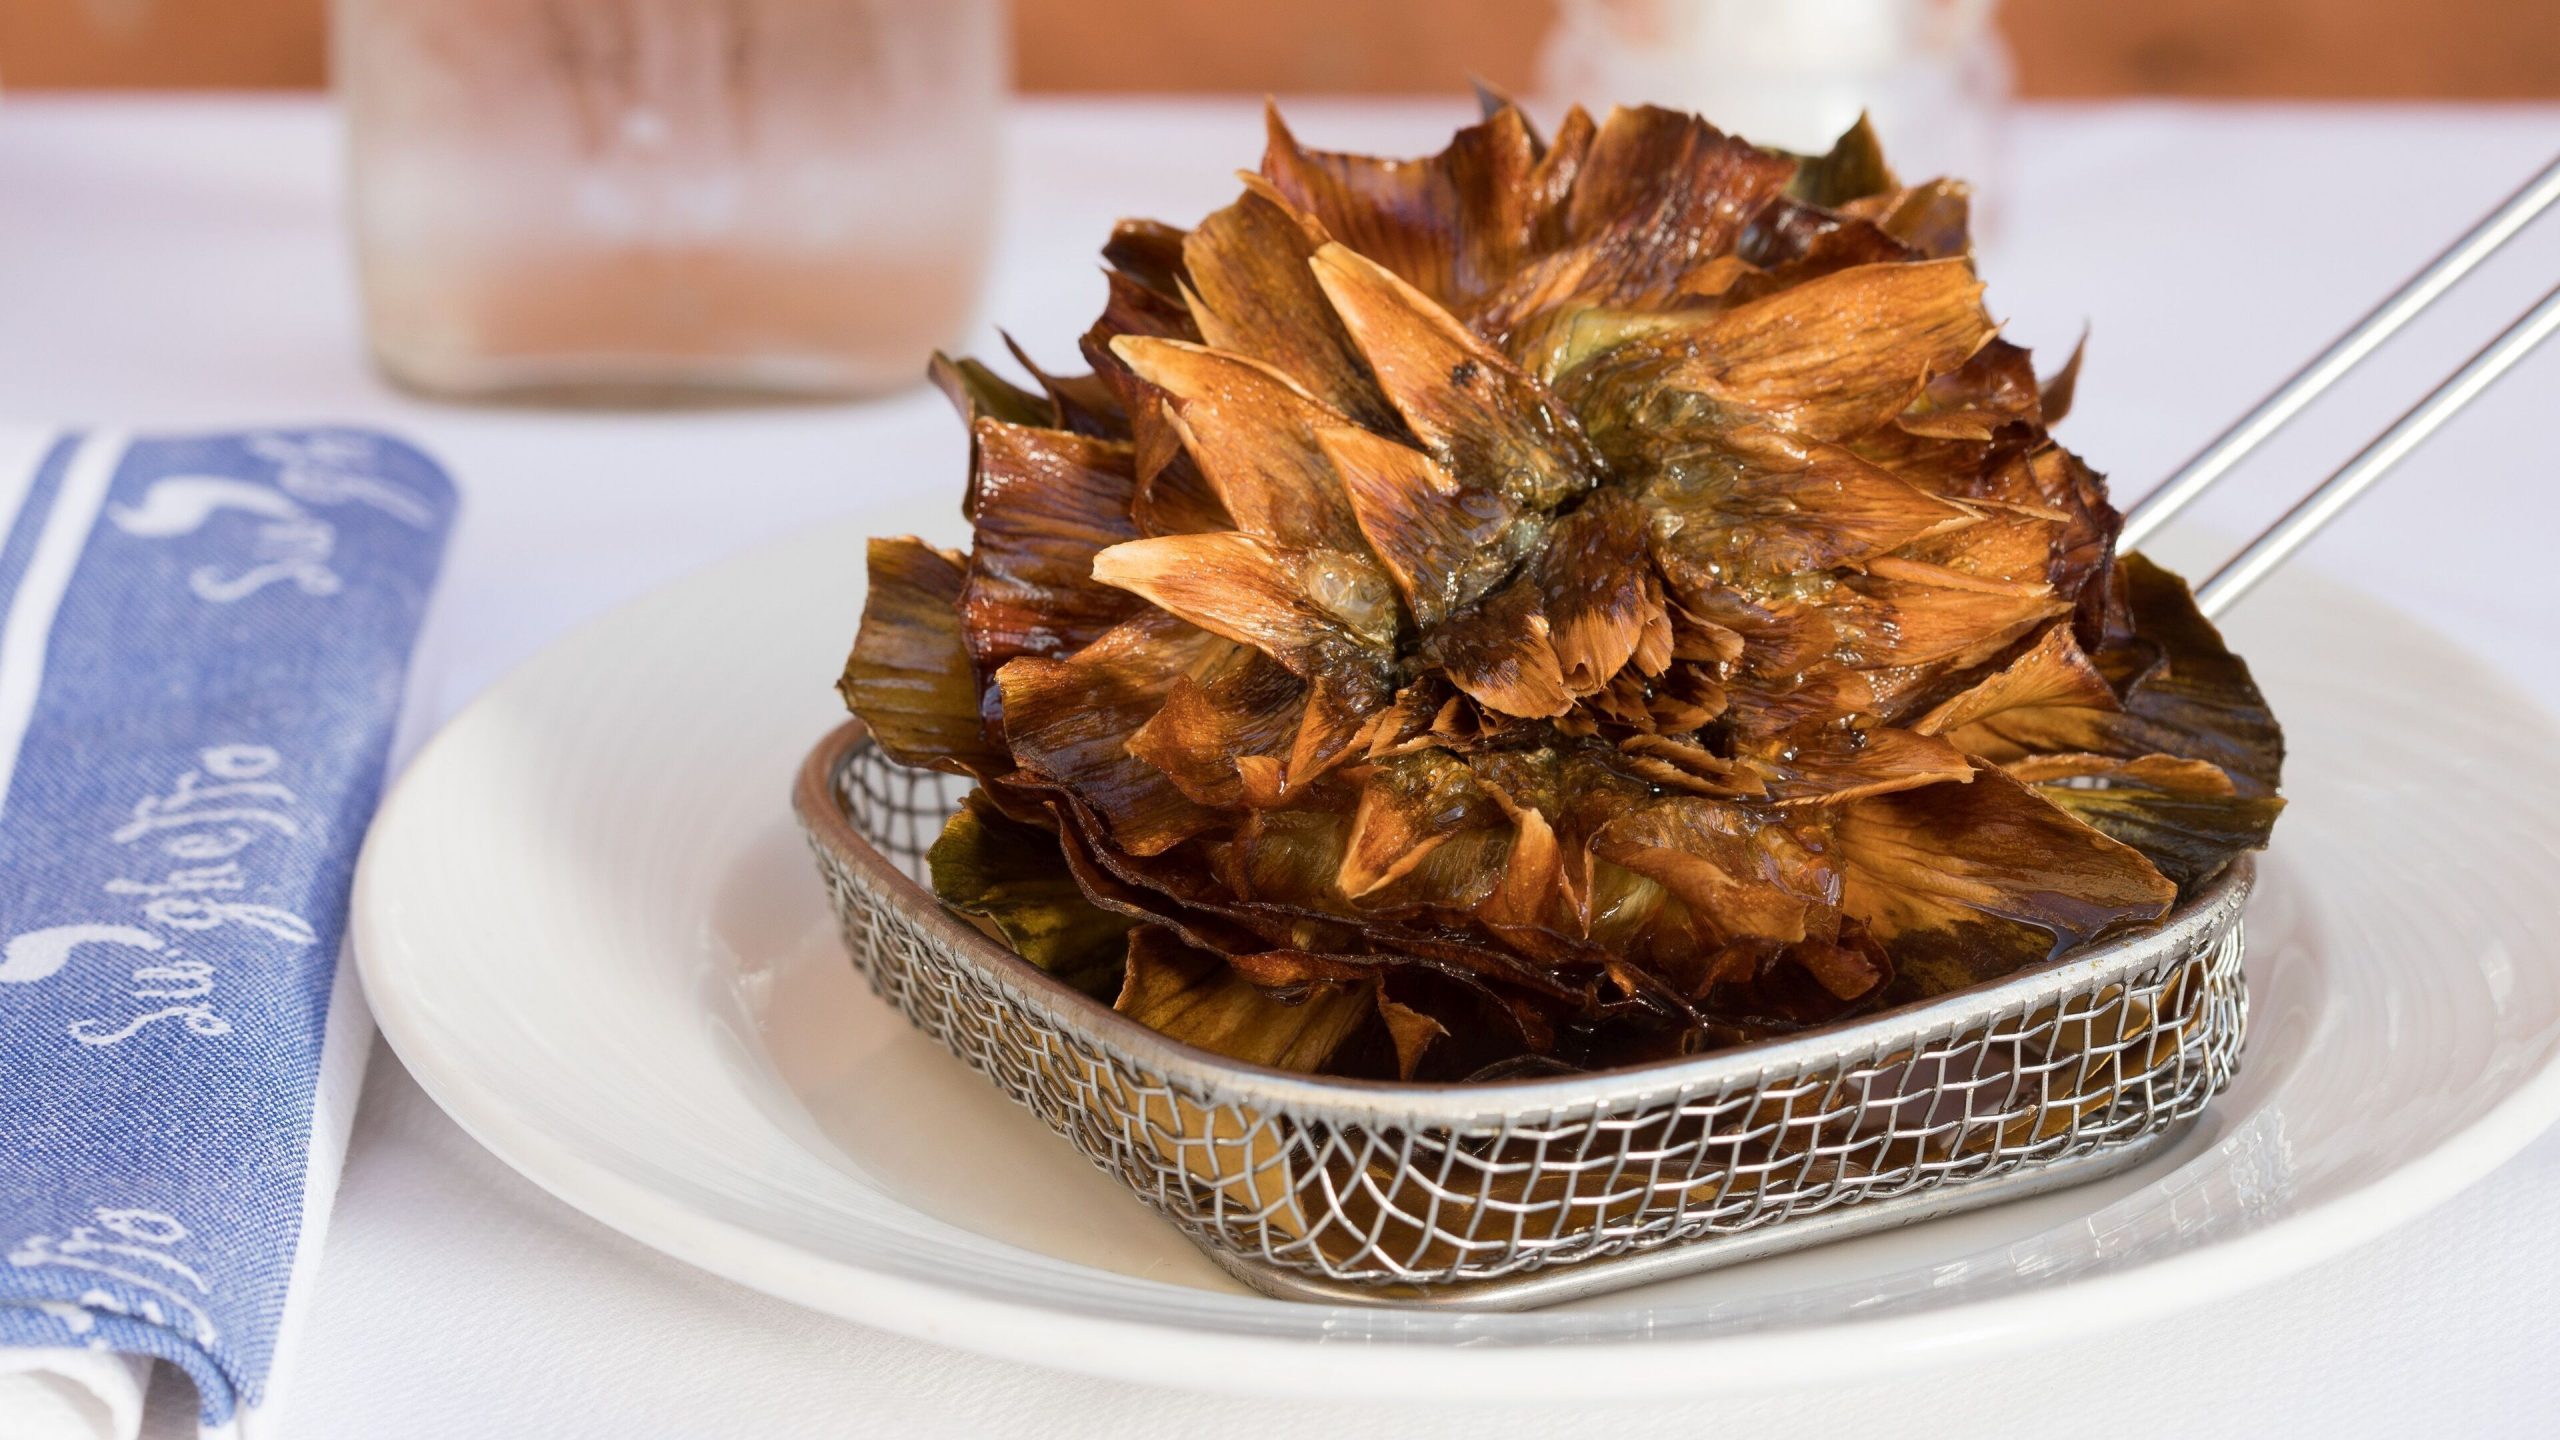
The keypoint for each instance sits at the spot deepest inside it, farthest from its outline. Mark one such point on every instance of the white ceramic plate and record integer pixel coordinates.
(587, 922)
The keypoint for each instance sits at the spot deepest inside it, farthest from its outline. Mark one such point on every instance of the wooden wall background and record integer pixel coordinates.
(2363, 49)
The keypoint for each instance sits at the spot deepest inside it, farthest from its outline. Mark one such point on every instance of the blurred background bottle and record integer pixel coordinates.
(636, 201)
(1933, 73)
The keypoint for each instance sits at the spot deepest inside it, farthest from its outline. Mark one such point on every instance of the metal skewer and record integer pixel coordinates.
(2343, 354)
(2340, 490)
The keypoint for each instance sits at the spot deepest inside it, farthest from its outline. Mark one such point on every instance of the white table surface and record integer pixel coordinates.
(177, 262)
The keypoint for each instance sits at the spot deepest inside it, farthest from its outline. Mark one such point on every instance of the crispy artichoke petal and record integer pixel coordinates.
(1944, 874)
(1249, 707)
(1763, 507)
(2200, 700)
(2196, 699)
(1253, 295)
(1829, 359)
(1598, 593)
(1998, 716)
(1852, 169)
(1409, 807)
(1835, 765)
(1708, 854)
(1935, 218)
(1996, 386)
(2186, 815)
(909, 675)
(1657, 193)
(1297, 606)
(1926, 621)
(2055, 396)
(1196, 998)
(1252, 432)
(1048, 502)
(975, 391)
(1466, 403)
(1069, 721)
(1454, 225)
(1439, 540)
(1499, 653)
(1149, 253)
(1012, 877)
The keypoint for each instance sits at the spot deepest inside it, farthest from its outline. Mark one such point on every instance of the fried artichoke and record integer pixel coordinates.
(1555, 604)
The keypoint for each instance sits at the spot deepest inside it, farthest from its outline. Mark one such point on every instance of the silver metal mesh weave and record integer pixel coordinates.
(1520, 1193)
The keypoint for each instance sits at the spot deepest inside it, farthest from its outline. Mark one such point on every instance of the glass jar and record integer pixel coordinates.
(651, 200)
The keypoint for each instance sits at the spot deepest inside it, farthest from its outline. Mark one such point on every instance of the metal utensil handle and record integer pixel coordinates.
(2340, 490)
(2343, 354)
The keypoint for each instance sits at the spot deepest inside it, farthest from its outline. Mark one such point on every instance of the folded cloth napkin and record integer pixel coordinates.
(203, 641)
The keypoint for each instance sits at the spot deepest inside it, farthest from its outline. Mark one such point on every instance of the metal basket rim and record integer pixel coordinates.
(819, 804)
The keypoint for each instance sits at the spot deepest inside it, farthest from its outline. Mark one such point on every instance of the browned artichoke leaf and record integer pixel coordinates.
(1454, 225)
(975, 391)
(1946, 875)
(2184, 814)
(1085, 404)
(909, 675)
(1836, 764)
(1658, 193)
(1852, 169)
(1456, 878)
(1149, 252)
(1679, 762)
(1468, 406)
(1303, 608)
(1839, 245)
(1597, 591)
(1559, 167)
(1194, 997)
(1996, 387)
(1772, 506)
(2081, 556)
(1048, 502)
(1499, 653)
(1132, 309)
(1926, 622)
(1441, 542)
(1535, 888)
(1069, 721)
(1252, 432)
(1345, 698)
(1409, 806)
(2003, 715)
(2004, 551)
(2055, 396)
(1934, 218)
(1012, 877)
(2197, 700)
(1829, 359)
(1413, 1032)
(1252, 294)
(1250, 705)
(1722, 861)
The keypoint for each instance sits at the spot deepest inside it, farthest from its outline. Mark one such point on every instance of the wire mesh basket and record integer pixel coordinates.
(1520, 1193)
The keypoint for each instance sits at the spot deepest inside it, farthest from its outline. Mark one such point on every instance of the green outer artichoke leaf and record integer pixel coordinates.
(1195, 997)
(2186, 815)
(1011, 877)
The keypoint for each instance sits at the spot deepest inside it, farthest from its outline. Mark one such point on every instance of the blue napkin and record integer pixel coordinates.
(203, 641)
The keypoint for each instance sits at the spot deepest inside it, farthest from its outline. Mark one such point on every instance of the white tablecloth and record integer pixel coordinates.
(178, 262)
